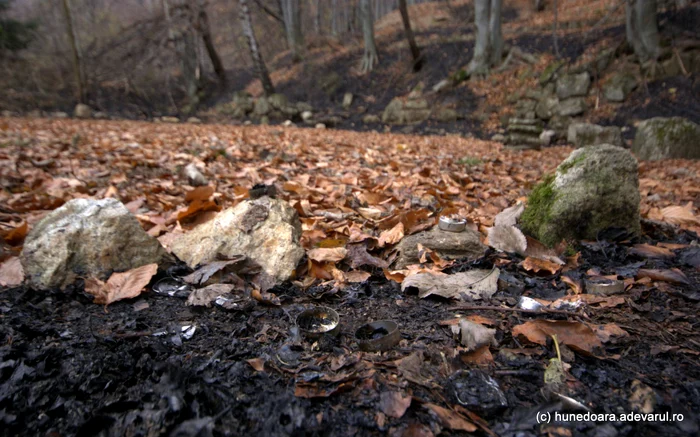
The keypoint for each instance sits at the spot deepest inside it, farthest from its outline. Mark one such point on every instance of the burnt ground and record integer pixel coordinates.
(70, 367)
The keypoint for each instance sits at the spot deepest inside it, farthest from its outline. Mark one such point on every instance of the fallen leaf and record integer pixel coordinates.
(451, 419)
(475, 284)
(120, 286)
(257, 363)
(648, 251)
(327, 255)
(394, 404)
(199, 193)
(576, 335)
(205, 296)
(674, 276)
(11, 272)
(509, 216)
(576, 286)
(481, 356)
(265, 297)
(680, 215)
(357, 276)
(358, 256)
(474, 335)
(537, 265)
(507, 239)
(391, 236)
(16, 236)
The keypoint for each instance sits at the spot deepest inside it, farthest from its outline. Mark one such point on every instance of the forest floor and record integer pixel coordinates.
(69, 366)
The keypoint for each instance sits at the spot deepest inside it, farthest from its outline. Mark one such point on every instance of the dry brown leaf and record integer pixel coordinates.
(476, 284)
(327, 255)
(648, 251)
(394, 404)
(680, 215)
(265, 297)
(357, 276)
(257, 363)
(205, 296)
(11, 272)
(509, 216)
(199, 193)
(481, 356)
(120, 286)
(576, 286)
(16, 236)
(673, 276)
(451, 419)
(537, 265)
(576, 335)
(391, 236)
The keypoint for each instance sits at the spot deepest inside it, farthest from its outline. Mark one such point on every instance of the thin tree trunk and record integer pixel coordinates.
(317, 17)
(641, 29)
(75, 49)
(555, 38)
(479, 62)
(258, 63)
(370, 58)
(415, 52)
(495, 34)
(181, 34)
(291, 12)
(334, 17)
(204, 29)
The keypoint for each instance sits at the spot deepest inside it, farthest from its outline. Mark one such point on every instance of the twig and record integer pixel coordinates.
(517, 310)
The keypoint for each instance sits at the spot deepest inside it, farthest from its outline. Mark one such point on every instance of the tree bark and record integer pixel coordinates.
(369, 58)
(334, 17)
(479, 62)
(291, 12)
(641, 29)
(317, 17)
(181, 34)
(75, 50)
(258, 63)
(415, 51)
(495, 34)
(202, 26)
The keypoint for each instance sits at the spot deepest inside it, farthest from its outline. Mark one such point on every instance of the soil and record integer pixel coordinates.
(70, 367)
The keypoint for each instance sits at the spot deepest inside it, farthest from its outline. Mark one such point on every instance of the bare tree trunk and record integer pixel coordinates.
(317, 17)
(291, 12)
(370, 58)
(641, 29)
(181, 35)
(77, 57)
(495, 34)
(479, 62)
(202, 26)
(258, 63)
(415, 52)
(334, 17)
(555, 38)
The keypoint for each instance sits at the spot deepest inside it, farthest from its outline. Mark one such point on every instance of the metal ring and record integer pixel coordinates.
(450, 224)
(604, 286)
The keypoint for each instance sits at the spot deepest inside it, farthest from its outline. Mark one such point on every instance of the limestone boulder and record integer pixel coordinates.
(573, 85)
(347, 100)
(82, 111)
(87, 238)
(266, 230)
(594, 189)
(571, 107)
(661, 138)
(619, 87)
(448, 245)
(262, 107)
(586, 134)
(278, 101)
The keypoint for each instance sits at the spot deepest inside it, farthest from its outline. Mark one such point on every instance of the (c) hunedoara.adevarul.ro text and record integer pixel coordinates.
(548, 417)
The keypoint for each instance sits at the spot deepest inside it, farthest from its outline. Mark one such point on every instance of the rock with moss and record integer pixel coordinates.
(594, 189)
(661, 138)
(586, 134)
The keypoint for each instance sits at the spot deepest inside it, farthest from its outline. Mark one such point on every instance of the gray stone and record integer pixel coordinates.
(571, 107)
(262, 107)
(416, 104)
(594, 189)
(619, 87)
(413, 111)
(194, 120)
(448, 245)
(547, 136)
(524, 107)
(330, 83)
(303, 106)
(59, 114)
(290, 111)
(661, 138)
(307, 116)
(320, 126)
(393, 113)
(82, 111)
(87, 238)
(572, 85)
(242, 104)
(264, 120)
(547, 107)
(347, 100)
(445, 115)
(371, 119)
(266, 230)
(586, 134)
(99, 115)
(531, 129)
(169, 119)
(499, 138)
(278, 101)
